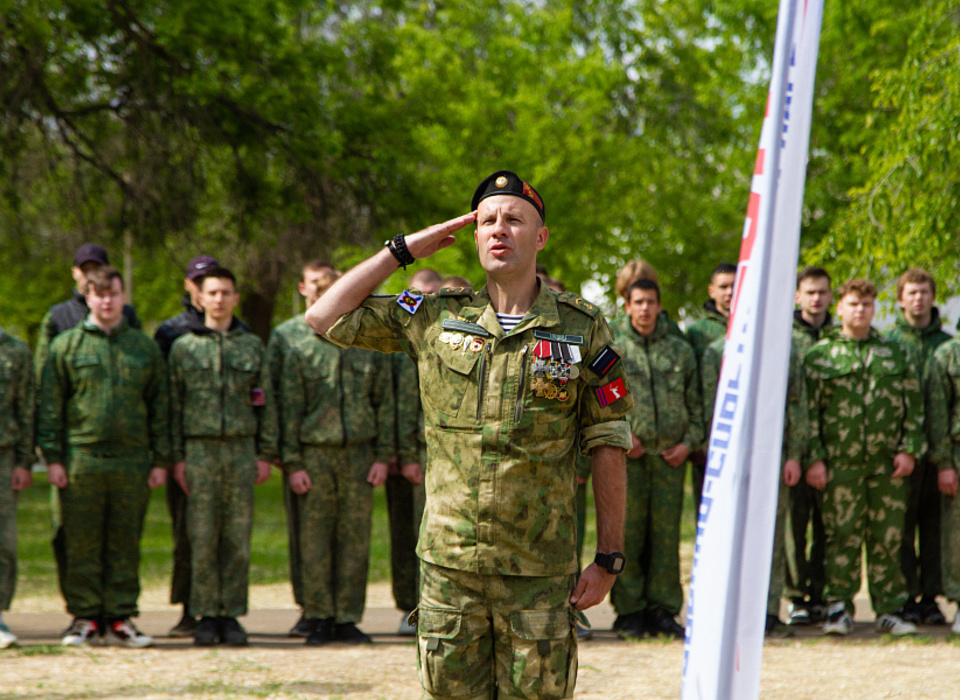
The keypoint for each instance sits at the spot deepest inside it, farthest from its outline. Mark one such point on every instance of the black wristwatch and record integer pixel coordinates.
(613, 562)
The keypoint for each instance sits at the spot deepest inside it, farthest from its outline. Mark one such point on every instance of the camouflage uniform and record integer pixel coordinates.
(865, 407)
(405, 500)
(667, 411)
(498, 537)
(922, 520)
(283, 335)
(16, 449)
(103, 415)
(795, 437)
(223, 419)
(338, 419)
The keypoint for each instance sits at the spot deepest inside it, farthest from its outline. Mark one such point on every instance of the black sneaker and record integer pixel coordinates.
(303, 627)
(930, 612)
(187, 627)
(206, 634)
(776, 629)
(910, 612)
(322, 632)
(662, 623)
(630, 626)
(232, 633)
(349, 633)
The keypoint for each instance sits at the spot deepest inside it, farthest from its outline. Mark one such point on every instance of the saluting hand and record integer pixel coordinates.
(428, 241)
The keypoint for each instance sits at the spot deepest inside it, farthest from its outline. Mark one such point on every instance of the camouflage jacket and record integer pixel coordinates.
(620, 324)
(804, 335)
(17, 399)
(105, 394)
(667, 404)
(796, 421)
(281, 338)
(501, 428)
(943, 405)
(703, 332)
(865, 399)
(411, 442)
(217, 390)
(335, 397)
(920, 343)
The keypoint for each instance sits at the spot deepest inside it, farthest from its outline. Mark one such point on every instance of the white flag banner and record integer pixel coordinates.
(731, 562)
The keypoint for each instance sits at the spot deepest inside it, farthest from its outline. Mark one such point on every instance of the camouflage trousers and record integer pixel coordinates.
(862, 505)
(950, 546)
(103, 506)
(921, 565)
(8, 529)
(651, 578)
(778, 568)
(220, 476)
(290, 507)
(481, 637)
(180, 581)
(805, 569)
(405, 507)
(335, 532)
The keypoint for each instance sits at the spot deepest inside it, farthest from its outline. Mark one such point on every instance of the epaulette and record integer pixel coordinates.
(571, 299)
(455, 292)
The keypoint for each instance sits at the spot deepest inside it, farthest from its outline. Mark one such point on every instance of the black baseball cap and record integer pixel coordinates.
(508, 182)
(90, 252)
(199, 266)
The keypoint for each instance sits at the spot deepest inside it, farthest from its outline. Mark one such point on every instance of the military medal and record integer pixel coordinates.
(476, 345)
(455, 340)
(445, 337)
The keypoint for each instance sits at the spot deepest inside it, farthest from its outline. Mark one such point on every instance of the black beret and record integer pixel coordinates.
(507, 182)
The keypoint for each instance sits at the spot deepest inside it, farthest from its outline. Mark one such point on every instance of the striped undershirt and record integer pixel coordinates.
(509, 321)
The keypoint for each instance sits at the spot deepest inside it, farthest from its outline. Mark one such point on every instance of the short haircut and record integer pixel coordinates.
(812, 272)
(315, 264)
(916, 275)
(220, 273)
(642, 284)
(456, 281)
(631, 272)
(858, 286)
(724, 268)
(555, 284)
(425, 275)
(102, 279)
(541, 270)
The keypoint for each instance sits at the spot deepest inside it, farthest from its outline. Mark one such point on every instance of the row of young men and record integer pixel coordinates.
(854, 452)
(111, 428)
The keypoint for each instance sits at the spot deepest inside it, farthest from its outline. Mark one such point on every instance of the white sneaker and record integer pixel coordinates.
(406, 629)
(838, 621)
(82, 631)
(955, 629)
(7, 638)
(124, 633)
(897, 626)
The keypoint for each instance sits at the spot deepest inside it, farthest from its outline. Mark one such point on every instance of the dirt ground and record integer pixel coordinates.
(807, 666)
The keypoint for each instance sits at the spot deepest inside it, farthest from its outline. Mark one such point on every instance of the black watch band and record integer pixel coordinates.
(398, 248)
(612, 562)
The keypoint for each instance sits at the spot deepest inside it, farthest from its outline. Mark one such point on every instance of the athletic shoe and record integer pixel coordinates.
(631, 626)
(302, 628)
(662, 624)
(799, 615)
(187, 627)
(322, 632)
(818, 612)
(955, 628)
(910, 612)
(349, 633)
(7, 638)
(838, 621)
(206, 634)
(406, 629)
(930, 611)
(895, 625)
(123, 633)
(81, 631)
(231, 632)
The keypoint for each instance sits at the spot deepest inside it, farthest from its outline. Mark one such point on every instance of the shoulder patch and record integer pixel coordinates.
(579, 304)
(604, 361)
(409, 301)
(455, 292)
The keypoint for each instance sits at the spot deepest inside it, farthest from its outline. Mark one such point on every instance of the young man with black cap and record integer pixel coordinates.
(515, 379)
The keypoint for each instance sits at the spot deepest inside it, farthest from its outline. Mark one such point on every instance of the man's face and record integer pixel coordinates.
(856, 312)
(643, 307)
(218, 297)
(106, 306)
(193, 289)
(814, 295)
(721, 291)
(80, 273)
(314, 284)
(916, 300)
(508, 235)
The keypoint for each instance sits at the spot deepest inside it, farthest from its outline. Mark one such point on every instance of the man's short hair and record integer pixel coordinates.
(102, 279)
(456, 281)
(314, 265)
(220, 273)
(425, 275)
(812, 272)
(916, 275)
(858, 286)
(631, 272)
(724, 268)
(642, 284)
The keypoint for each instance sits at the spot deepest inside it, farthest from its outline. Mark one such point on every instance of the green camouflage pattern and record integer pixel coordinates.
(865, 401)
(220, 474)
(213, 377)
(620, 323)
(105, 393)
(651, 577)
(17, 399)
(500, 478)
(506, 637)
(411, 443)
(8, 526)
(335, 531)
(103, 507)
(920, 343)
(704, 331)
(667, 405)
(778, 561)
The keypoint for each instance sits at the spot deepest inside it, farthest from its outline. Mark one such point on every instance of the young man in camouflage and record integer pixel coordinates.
(918, 329)
(338, 435)
(805, 573)
(665, 423)
(223, 426)
(316, 276)
(16, 455)
(515, 380)
(102, 426)
(866, 416)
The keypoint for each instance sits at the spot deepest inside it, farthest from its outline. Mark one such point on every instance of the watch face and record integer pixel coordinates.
(616, 566)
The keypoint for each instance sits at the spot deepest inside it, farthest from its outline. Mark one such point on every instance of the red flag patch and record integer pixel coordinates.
(609, 393)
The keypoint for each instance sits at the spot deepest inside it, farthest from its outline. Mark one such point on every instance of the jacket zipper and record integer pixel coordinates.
(523, 382)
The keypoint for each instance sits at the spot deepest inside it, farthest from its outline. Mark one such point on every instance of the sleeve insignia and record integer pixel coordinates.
(612, 392)
(409, 301)
(605, 361)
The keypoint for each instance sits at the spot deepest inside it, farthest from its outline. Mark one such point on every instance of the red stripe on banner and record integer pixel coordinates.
(758, 168)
